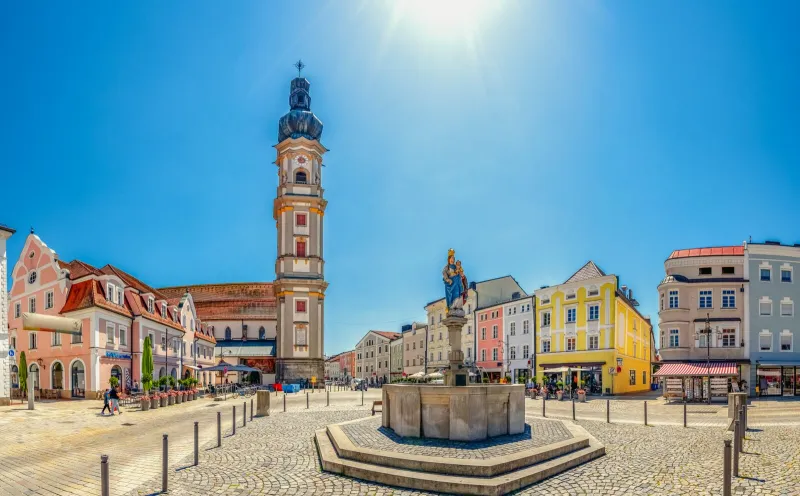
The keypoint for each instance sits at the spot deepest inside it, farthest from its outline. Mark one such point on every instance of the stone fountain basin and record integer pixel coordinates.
(458, 413)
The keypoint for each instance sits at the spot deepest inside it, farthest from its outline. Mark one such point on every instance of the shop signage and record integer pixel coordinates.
(118, 355)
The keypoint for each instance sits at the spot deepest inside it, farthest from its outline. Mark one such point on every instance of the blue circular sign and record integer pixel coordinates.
(11, 353)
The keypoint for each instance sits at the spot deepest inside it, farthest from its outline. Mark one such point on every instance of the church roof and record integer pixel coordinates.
(229, 301)
(588, 271)
(300, 121)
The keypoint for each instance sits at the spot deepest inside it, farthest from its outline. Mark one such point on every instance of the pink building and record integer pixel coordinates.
(117, 312)
(490, 341)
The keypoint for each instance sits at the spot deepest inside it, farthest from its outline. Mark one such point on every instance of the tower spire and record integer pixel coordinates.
(300, 65)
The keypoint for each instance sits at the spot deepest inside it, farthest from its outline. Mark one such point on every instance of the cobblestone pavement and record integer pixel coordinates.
(538, 432)
(55, 450)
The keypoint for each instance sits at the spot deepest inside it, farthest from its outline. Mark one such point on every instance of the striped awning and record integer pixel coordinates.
(725, 369)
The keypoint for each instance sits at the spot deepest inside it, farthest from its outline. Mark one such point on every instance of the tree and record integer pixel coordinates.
(23, 373)
(147, 364)
(113, 381)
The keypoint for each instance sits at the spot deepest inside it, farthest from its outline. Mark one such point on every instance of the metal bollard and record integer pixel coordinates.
(645, 413)
(284, 402)
(741, 428)
(608, 411)
(544, 400)
(164, 463)
(251, 409)
(196, 444)
(726, 469)
(573, 408)
(737, 446)
(244, 414)
(306, 401)
(328, 399)
(104, 484)
(362, 397)
(219, 429)
(684, 414)
(234, 421)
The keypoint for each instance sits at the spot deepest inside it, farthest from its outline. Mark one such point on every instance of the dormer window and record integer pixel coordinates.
(110, 292)
(150, 303)
(164, 310)
(120, 295)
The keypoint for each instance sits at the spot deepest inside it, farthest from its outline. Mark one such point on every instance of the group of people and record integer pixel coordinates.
(111, 401)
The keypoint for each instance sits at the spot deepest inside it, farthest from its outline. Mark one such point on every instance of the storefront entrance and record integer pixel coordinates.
(78, 381)
(778, 381)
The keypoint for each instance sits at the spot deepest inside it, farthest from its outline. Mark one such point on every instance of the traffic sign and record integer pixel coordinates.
(313, 379)
(11, 353)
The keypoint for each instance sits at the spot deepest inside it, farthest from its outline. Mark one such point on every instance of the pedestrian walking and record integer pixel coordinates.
(106, 404)
(114, 396)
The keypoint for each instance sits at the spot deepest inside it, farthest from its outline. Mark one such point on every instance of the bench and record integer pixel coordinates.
(377, 403)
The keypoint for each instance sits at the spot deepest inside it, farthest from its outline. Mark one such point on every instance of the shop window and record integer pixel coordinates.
(633, 377)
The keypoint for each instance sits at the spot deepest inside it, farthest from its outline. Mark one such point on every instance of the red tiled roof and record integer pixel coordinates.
(86, 294)
(708, 252)
(697, 369)
(138, 306)
(78, 269)
(200, 335)
(129, 280)
(387, 334)
(229, 301)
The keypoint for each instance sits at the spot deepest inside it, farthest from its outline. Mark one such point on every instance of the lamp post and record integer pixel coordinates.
(708, 332)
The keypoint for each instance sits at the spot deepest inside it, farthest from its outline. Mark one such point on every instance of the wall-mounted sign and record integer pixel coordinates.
(118, 355)
(11, 353)
(619, 362)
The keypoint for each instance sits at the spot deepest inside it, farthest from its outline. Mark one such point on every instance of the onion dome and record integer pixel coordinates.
(300, 121)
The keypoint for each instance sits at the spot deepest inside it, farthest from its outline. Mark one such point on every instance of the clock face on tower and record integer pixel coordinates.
(302, 160)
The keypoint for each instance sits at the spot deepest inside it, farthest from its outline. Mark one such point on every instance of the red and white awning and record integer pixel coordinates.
(717, 369)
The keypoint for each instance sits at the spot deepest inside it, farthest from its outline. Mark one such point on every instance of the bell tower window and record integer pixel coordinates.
(301, 220)
(300, 177)
(301, 249)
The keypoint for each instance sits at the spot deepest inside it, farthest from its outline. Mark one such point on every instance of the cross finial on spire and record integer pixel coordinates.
(300, 65)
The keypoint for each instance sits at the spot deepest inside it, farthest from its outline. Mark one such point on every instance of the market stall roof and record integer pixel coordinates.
(231, 368)
(697, 369)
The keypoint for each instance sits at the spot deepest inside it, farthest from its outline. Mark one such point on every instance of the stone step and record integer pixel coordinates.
(440, 483)
(452, 466)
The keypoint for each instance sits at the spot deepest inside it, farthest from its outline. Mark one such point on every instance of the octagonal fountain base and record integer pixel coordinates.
(457, 413)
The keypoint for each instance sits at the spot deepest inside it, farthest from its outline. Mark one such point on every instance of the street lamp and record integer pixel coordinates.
(708, 332)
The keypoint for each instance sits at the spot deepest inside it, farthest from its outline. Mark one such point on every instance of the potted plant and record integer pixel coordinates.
(559, 390)
(581, 393)
(144, 403)
(163, 399)
(113, 381)
(155, 400)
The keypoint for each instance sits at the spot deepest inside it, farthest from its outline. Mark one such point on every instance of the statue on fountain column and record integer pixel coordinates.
(455, 285)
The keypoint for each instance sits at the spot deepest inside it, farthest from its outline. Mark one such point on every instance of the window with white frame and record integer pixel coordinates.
(594, 342)
(706, 298)
(512, 329)
(765, 341)
(728, 298)
(729, 338)
(765, 307)
(120, 295)
(494, 332)
(673, 298)
(32, 341)
(48, 301)
(110, 333)
(150, 302)
(77, 338)
(570, 296)
(786, 274)
(110, 292)
(703, 341)
(494, 354)
(164, 310)
(593, 292)
(526, 327)
(674, 338)
(32, 304)
(509, 310)
(525, 351)
(483, 355)
(786, 341)
(440, 355)
(56, 339)
(571, 344)
(787, 308)
(545, 319)
(123, 336)
(545, 300)
(16, 310)
(571, 315)
(594, 312)
(766, 274)
(512, 354)
(545, 346)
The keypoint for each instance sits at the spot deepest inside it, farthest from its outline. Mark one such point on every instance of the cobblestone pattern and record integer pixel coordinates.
(538, 432)
(276, 455)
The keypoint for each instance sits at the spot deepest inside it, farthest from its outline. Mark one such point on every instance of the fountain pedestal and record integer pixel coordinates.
(457, 375)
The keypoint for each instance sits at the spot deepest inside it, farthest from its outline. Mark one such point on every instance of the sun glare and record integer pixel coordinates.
(444, 18)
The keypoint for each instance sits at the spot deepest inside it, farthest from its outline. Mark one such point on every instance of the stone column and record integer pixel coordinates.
(262, 403)
(457, 375)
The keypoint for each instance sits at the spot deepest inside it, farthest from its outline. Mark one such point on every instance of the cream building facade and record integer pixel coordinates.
(373, 355)
(414, 339)
(396, 358)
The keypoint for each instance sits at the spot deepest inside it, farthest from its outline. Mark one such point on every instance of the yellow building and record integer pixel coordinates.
(589, 332)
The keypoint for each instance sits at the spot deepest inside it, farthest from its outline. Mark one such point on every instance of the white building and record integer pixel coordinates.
(518, 323)
(373, 355)
(414, 354)
(396, 358)
(5, 363)
(333, 370)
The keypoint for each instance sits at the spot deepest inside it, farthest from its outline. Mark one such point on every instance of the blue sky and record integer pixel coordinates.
(529, 136)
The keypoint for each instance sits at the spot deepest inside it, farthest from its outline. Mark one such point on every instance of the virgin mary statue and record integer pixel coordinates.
(454, 282)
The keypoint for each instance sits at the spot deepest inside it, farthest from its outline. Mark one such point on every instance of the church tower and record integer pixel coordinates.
(299, 211)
